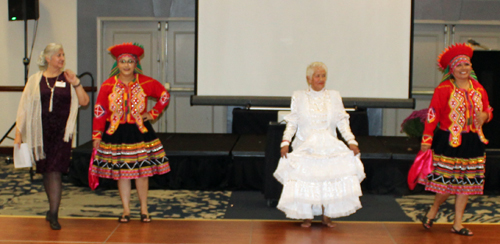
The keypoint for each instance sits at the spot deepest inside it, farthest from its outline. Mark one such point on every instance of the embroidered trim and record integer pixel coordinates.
(99, 111)
(456, 175)
(138, 104)
(431, 115)
(477, 100)
(96, 135)
(116, 101)
(457, 116)
(427, 140)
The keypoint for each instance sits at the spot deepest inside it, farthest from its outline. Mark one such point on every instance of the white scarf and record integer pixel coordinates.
(29, 116)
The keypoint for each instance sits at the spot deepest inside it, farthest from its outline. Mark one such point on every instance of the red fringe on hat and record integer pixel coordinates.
(452, 51)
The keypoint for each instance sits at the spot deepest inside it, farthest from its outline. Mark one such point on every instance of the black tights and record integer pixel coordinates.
(53, 187)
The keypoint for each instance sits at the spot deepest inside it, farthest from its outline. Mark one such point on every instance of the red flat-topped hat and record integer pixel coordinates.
(135, 49)
(452, 51)
(132, 48)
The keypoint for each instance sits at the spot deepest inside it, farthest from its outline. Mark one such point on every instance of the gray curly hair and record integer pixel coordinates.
(49, 50)
(313, 66)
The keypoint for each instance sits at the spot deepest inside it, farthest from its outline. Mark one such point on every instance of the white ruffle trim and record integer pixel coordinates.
(307, 168)
(320, 172)
(304, 200)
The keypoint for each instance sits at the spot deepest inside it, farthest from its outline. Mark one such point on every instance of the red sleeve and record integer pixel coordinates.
(155, 89)
(101, 110)
(436, 110)
(486, 104)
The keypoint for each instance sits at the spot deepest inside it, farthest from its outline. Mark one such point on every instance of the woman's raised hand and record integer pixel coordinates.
(71, 77)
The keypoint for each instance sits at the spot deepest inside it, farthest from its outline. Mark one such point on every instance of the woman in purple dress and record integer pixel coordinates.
(46, 120)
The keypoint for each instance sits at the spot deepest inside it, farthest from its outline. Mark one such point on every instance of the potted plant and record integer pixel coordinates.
(413, 125)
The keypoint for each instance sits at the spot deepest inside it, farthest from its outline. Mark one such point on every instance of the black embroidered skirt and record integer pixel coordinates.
(457, 170)
(130, 154)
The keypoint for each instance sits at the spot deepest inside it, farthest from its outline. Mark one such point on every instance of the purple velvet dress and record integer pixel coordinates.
(57, 152)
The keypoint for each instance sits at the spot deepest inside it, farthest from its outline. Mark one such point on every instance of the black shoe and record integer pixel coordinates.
(54, 224)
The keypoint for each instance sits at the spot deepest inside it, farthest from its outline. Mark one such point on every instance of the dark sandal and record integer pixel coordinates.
(145, 218)
(124, 219)
(426, 222)
(464, 231)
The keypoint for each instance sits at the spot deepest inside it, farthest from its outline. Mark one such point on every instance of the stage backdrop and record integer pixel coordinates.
(262, 47)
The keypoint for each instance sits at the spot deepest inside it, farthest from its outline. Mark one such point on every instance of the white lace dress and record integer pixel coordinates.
(321, 170)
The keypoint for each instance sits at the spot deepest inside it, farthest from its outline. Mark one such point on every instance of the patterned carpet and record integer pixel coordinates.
(21, 196)
(480, 209)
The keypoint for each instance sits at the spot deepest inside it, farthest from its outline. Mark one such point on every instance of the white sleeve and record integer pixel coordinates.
(343, 124)
(291, 122)
(346, 132)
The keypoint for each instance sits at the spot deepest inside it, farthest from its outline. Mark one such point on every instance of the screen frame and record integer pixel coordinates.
(284, 102)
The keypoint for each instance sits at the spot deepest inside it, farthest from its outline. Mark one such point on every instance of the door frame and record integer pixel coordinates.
(218, 114)
(100, 28)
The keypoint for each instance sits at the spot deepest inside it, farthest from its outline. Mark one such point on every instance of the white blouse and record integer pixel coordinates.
(317, 111)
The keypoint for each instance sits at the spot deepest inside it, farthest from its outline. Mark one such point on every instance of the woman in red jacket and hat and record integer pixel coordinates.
(458, 109)
(127, 146)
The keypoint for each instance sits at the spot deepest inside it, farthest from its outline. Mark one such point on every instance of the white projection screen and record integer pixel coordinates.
(261, 48)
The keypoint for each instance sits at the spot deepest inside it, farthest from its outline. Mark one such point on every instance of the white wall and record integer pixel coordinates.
(57, 23)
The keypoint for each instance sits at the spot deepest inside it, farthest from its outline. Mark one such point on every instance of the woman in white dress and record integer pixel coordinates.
(322, 175)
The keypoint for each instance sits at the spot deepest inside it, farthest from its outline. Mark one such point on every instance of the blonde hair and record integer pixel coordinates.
(313, 66)
(49, 50)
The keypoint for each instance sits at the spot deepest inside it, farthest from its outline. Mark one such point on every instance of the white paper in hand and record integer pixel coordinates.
(22, 156)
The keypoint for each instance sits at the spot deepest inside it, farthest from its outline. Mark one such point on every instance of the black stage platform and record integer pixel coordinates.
(238, 162)
(246, 159)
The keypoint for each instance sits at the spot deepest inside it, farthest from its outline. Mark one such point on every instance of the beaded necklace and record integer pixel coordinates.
(51, 91)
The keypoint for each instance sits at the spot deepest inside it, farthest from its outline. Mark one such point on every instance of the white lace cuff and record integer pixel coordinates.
(284, 143)
(352, 142)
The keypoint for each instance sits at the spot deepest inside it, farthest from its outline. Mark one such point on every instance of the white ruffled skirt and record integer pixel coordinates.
(320, 172)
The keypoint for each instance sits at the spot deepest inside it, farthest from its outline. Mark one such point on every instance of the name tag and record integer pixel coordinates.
(60, 84)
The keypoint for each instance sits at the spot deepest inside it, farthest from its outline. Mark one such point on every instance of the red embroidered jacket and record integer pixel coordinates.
(455, 110)
(119, 103)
